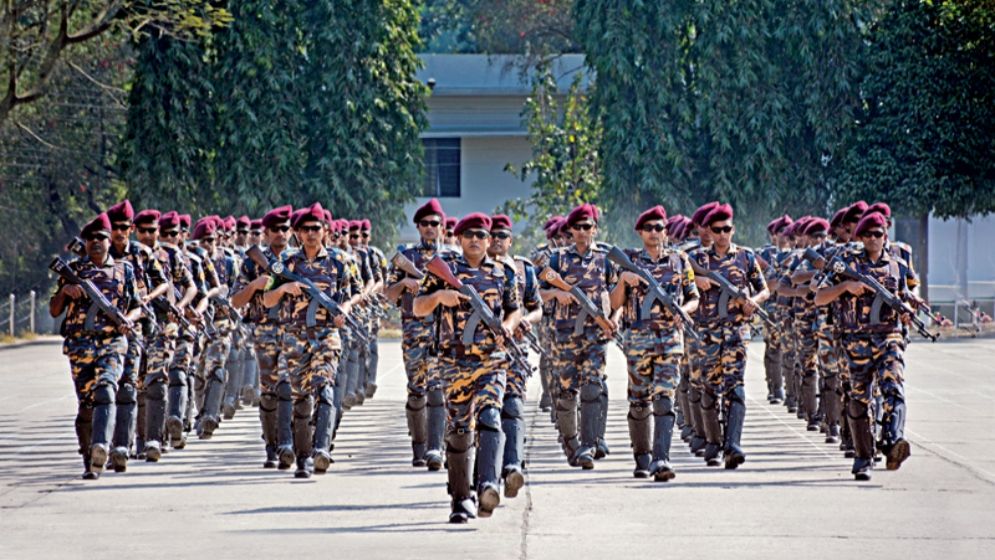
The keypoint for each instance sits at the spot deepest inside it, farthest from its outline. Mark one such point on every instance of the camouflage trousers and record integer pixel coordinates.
(875, 360)
(132, 364)
(421, 367)
(772, 359)
(579, 360)
(653, 362)
(211, 366)
(266, 339)
(724, 361)
(473, 382)
(94, 361)
(312, 359)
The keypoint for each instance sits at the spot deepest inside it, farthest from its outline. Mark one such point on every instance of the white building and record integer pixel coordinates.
(475, 128)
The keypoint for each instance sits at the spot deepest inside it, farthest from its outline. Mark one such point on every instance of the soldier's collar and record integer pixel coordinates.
(572, 248)
(108, 261)
(422, 244)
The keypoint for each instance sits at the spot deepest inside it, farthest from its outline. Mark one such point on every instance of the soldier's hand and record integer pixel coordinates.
(703, 283)
(749, 306)
(293, 288)
(564, 298)
(451, 298)
(72, 291)
(339, 321)
(856, 288)
(410, 285)
(630, 279)
(124, 329)
(260, 282)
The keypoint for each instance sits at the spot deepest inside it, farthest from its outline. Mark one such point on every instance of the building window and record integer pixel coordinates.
(442, 167)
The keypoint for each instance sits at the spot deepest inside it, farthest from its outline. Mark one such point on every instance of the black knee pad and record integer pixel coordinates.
(856, 409)
(709, 400)
(436, 397)
(663, 407)
(155, 392)
(284, 391)
(326, 395)
(177, 378)
(567, 402)
(303, 408)
(591, 392)
(489, 419)
(513, 407)
(459, 442)
(737, 395)
(415, 402)
(127, 394)
(267, 402)
(104, 393)
(639, 411)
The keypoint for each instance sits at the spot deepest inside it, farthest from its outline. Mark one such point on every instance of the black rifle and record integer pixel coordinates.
(729, 292)
(654, 293)
(317, 296)
(882, 296)
(100, 302)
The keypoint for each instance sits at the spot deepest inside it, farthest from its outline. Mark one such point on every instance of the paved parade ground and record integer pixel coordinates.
(794, 497)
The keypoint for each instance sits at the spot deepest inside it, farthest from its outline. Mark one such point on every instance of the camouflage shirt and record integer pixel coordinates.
(673, 272)
(857, 314)
(740, 267)
(592, 272)
(418, 254)
(329, 272)
(116, 280)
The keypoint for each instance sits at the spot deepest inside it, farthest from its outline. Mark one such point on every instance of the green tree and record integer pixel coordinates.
(565, 168)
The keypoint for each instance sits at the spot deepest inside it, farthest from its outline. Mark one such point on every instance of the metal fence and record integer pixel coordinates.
(24, 313)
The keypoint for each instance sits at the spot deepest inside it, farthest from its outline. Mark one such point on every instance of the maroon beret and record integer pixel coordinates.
(817, 225)
(451, 222)
(473, 220)
(343, 224)
(169, 220)
(255, 225)
(871, 220)
(854, 212)
(675, 225)
(230, 223)
(355, 225)
(720, 213)
(879, 207)
(121, 211)
(703, 211)
(185, 221)
(786, 222)
(772, 225)
(655, 213)
(501, 221)
(366, 225)
(553, 226)
(837, 219)
(683, 229)
(278, 215)
(100, 224)
(552, 220)
(676, 218)
(148, 216)
(243, 223)
(205, 227)
(585, 211)
(313, 213)
(432, 207)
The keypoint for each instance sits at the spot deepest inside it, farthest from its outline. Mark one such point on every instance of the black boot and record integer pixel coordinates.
(640, 438)
(155, 416)
(697, 441)
(460, 458)
(417, 428)
(285, 426)
(513, 426)
(104, 413)
(713, 430)
(84, 435)
(863, 441)
(590, 423)
(898, 448)
(663, 433)
(325, 409)
(601, 449)
(303, 433)
(271, 457)
(436, 426)
(566, 424)
(488, 460)
(126, 401)
(213, 394)
(268, 405)
(734, 455)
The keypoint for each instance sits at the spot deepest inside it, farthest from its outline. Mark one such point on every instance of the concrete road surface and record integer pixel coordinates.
(794, 498)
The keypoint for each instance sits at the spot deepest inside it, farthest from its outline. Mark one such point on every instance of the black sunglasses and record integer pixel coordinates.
(501, 235)
(429, 223)
(97, 237)
(311, 229)
(281, 229)
(147, 229)
(478, 233)
(366, 235)
(874, 234)
(585, 227)
(207, 239)
(723, 229)
(120, 227)
(654, 227)
(353, 236)
(169, 233)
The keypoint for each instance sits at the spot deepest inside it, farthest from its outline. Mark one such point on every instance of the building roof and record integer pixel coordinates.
(458, 75)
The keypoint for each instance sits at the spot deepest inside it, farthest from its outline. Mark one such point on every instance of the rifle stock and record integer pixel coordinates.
(405, 265)
(729, 291)
(599, 316)
(892, 300)
(656, 291)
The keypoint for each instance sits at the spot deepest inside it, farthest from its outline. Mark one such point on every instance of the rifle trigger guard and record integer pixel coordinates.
(876, 309)
(724, 305)
(91, 317)
(312, 310)
(471, 328)
(579, 323)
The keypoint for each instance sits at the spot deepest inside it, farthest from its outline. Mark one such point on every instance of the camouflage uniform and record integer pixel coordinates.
(212, 371)
(874, 349)
(378, 264)
(96, 353)
(266, 334)
(580, 357)
(196, 381)
(425, 385)
(724, 343)
(807, 321)
(475, 374)
(696, 379)
(653, 350)
(545, 331)
(772, 333)
(311, 347)
(513, 408)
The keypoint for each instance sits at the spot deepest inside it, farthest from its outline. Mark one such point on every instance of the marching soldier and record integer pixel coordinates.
(513, 409)
(94, 342)
(654, 342)
(725, 332)
(379, 264)
(425, 387)
(310, 345)
(581, 339)
(873, 342)
(265, 325)
(474, 362)
(697, 238)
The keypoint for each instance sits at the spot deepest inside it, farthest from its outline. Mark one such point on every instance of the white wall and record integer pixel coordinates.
(980, 257)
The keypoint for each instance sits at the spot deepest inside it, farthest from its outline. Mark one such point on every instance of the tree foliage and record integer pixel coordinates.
(294, 102)
(565, 168)
(532, 27)
(924, 138)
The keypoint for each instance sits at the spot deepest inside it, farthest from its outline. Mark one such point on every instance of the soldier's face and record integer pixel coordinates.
(584, 232)
(207, 243)
(255, 237)
(147, 234)
(705, 236)
(721, 232)
(278, 235)
(653, 233)
(241, 237)
(430, 227)
(475, 243)
(120, 232)
(500, 242)
(310, 234)
(354, 238)
(874, 239)
(97, 246)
